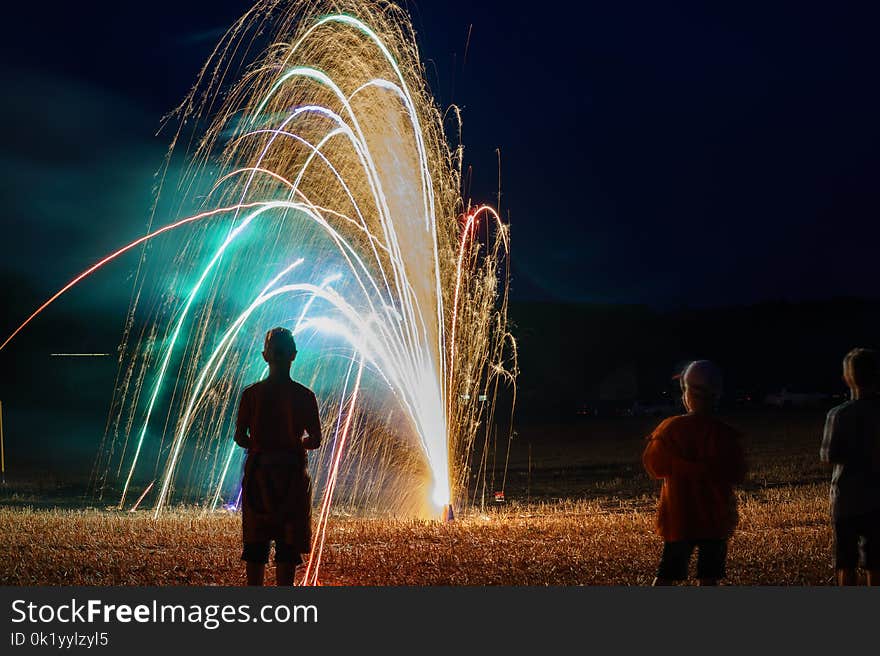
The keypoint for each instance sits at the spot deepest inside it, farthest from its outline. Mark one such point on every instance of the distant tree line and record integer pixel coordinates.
(575, 353)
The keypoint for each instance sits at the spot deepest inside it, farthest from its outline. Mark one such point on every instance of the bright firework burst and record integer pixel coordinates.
(333, 208)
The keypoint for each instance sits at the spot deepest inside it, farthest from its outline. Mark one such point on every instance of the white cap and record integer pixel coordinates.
(703, 376)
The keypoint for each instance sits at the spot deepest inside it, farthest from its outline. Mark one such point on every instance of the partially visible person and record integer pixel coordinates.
(851, 443)
(277, 421)
(700, 459)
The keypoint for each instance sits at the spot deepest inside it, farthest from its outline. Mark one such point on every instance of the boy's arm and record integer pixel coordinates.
(313, 425)
(832, 449)
(662, 460)
(242, 421)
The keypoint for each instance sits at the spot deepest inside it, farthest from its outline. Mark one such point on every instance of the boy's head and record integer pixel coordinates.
(701, 386)
(861, 369)
(279, 347)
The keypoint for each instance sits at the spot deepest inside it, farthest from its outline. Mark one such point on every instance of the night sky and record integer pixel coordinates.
(670, 154)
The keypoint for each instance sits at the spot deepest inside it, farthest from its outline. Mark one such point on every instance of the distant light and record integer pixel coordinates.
(482, 397)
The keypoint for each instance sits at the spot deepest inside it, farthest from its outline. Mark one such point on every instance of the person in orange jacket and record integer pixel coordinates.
(699, 459)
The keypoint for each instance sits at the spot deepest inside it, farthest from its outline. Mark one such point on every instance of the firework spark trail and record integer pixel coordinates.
(112, 256)
(327, 159)
(311, 573)
(141, 497)
(467, 231)
(170, 350)
(428, 191)
(172, 462)
(359, 144)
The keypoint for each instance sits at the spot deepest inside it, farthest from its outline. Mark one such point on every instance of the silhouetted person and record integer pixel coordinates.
(699, 458)
(277, 421)
(852, 444)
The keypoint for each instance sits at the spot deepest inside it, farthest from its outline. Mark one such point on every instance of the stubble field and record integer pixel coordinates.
(581, 514)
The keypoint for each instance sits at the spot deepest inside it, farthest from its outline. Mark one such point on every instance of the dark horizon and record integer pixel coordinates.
(761, 348)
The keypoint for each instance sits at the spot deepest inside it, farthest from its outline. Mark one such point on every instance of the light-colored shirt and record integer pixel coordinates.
(851, 442)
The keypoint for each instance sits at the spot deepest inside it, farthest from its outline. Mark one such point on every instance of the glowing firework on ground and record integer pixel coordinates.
(321, 195)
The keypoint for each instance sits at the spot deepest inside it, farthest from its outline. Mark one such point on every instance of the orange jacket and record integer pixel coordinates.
(699, 458)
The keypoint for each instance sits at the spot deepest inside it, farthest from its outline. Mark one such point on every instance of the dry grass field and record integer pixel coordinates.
(581, 515)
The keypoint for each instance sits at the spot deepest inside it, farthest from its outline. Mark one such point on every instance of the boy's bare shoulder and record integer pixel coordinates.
(302, 390)
(250, 389)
